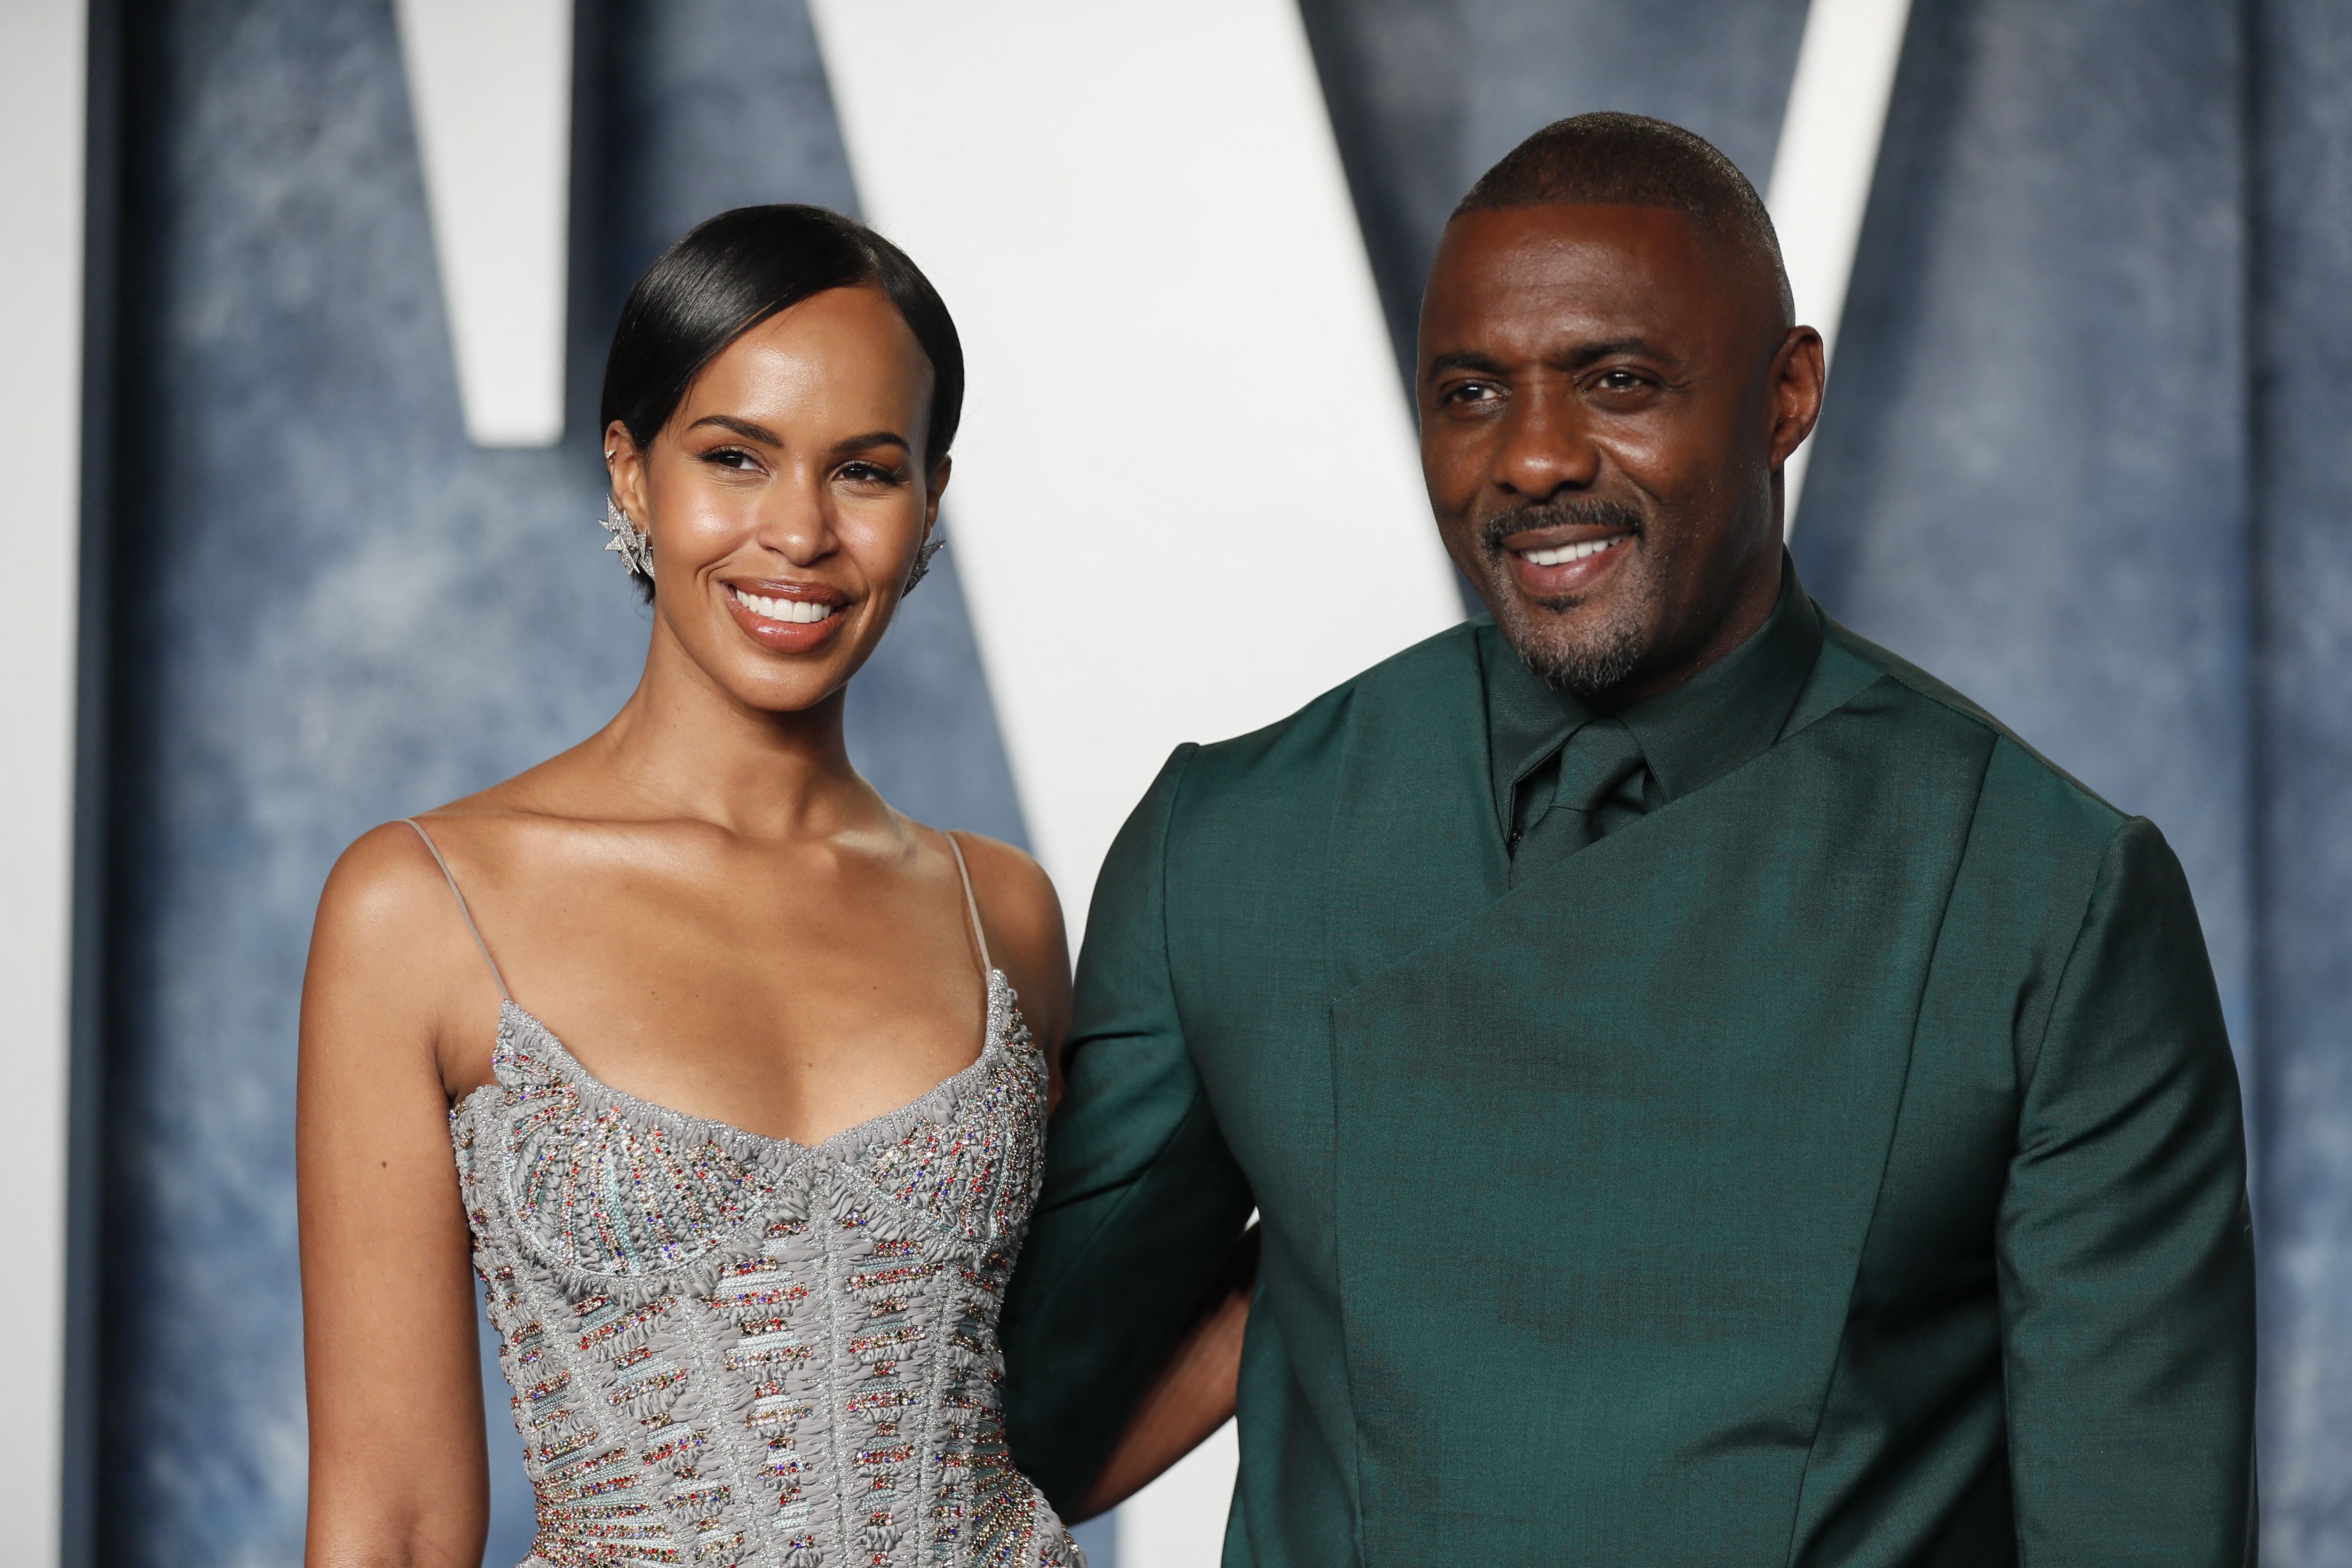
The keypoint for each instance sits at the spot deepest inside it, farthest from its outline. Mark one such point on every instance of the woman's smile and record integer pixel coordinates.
(789, 618)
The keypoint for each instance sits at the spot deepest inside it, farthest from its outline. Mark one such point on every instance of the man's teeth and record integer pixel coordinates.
(786, 609)
(1567, 553)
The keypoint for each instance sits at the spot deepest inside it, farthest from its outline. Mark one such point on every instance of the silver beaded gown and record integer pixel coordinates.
(731, 1349)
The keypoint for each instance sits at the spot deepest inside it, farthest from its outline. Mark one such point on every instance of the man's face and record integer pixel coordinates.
(1605, 403)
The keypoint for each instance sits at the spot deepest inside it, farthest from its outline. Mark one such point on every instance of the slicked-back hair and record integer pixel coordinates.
(734, 271)
(1615, 159)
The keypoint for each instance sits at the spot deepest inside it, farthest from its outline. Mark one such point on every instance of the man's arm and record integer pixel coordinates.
(2127, 1251)
(1142, 1203)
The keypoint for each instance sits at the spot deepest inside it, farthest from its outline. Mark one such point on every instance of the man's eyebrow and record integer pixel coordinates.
(1593, 353)
(742, 427)
(1577, 358)
(1467, 360)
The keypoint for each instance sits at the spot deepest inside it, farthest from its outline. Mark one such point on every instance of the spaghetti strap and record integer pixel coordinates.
(970, 903)
(468, 915)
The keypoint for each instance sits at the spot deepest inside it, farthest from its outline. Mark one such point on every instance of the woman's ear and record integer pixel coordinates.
(931, 504)
(625, 470)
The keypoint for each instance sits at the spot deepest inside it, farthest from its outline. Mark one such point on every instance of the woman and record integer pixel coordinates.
(747, 1122)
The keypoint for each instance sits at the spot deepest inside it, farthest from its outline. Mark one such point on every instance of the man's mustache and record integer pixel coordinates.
(1590, 512)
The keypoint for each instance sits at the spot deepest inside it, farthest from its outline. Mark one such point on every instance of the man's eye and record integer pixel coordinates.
(1620, 381)
(1470, 392)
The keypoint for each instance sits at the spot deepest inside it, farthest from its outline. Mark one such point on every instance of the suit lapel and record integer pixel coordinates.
(1414, 847)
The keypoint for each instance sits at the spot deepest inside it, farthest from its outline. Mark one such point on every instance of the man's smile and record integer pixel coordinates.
(1561, 555)
(1555, 568)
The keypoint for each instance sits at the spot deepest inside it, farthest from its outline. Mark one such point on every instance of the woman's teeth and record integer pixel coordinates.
(788, 610)
(1567, 553)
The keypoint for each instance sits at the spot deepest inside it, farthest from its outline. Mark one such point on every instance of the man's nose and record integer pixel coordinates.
(1547, 447)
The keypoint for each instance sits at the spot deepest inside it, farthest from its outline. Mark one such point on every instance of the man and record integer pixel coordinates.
(1712, 1094)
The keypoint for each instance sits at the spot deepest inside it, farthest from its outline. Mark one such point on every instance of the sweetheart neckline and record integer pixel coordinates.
(995, 1027)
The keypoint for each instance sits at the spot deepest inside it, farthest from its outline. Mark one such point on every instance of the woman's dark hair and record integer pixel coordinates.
(733, 272)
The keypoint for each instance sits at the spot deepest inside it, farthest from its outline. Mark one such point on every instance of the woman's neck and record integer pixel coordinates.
(688, 748)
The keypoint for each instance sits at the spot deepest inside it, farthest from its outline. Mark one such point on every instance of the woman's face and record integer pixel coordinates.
(786, 497)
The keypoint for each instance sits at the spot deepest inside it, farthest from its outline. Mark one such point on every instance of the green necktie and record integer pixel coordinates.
(1592, 786)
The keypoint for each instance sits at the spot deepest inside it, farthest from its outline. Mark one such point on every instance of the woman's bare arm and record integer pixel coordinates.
(398, 1473)
(1193, 1394)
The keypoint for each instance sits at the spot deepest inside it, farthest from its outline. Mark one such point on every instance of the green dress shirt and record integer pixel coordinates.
(1838, 1161)
(1678, 741)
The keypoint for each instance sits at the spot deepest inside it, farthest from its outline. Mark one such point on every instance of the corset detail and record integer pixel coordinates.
(606, 1194)
(730, 1349)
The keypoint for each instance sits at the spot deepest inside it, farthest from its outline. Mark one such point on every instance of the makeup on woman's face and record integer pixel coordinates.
(787, 497)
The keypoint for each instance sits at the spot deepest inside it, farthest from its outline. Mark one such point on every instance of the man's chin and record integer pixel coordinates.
(1591, 660)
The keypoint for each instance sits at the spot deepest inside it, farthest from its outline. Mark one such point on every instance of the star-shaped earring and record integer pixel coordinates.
(630, 542)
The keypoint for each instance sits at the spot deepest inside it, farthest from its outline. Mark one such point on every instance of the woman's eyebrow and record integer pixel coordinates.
(873, 438)
(742, 427)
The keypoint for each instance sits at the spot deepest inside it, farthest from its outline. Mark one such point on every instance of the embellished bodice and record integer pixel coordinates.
(731, 1349)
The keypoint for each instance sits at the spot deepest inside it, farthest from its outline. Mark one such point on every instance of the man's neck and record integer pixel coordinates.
(1749, 608)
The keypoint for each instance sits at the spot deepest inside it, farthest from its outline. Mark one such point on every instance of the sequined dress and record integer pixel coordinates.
(731, 1349)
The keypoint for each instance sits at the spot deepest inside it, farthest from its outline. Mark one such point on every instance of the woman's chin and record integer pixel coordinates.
(764, 692)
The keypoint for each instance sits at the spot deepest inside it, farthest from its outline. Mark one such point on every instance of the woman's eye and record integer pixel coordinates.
(863, 473)
(733, 457)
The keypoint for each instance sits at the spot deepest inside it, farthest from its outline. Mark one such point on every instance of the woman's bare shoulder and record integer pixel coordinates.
(1023, 916)
(392, 880)
(388, 951)
(387, 874)
(1016, 896)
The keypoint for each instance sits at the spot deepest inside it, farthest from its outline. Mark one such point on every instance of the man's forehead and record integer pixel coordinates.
(1573, 270)
(1567, 246)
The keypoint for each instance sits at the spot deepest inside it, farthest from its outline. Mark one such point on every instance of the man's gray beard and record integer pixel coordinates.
(1589, 665)
(1602, 658)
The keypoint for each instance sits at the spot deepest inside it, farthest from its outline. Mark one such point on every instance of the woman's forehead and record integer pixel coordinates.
(841, 347)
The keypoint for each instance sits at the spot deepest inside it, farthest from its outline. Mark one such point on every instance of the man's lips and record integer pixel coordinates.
(1557, 563)
(790, 617)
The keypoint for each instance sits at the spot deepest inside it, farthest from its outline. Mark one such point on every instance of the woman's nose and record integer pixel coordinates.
(796, 522)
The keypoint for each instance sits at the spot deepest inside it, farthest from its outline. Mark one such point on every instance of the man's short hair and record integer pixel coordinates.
(1615, 159)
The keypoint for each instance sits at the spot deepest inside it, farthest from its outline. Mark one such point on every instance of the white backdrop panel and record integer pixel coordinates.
(490, 84)
(1827, 161)
(43, 72)
(1186, 497)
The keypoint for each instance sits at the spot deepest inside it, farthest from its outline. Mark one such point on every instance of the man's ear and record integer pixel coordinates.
(1793, 398)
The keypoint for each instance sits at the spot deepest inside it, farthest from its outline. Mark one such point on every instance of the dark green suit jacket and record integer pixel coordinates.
(1839, 1163)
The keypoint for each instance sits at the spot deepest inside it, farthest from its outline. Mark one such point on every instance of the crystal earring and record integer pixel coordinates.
(630, 542)
(929, 548)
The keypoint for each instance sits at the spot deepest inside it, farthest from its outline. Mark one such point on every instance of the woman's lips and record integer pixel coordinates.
(789, 623)
(1556, 572)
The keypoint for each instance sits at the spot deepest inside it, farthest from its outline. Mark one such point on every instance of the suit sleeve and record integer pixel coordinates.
(1141, 1201)
(2127, 1250)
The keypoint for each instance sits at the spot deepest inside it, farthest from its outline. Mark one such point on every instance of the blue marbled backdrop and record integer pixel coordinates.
(2085, 457)
(2302, 424)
